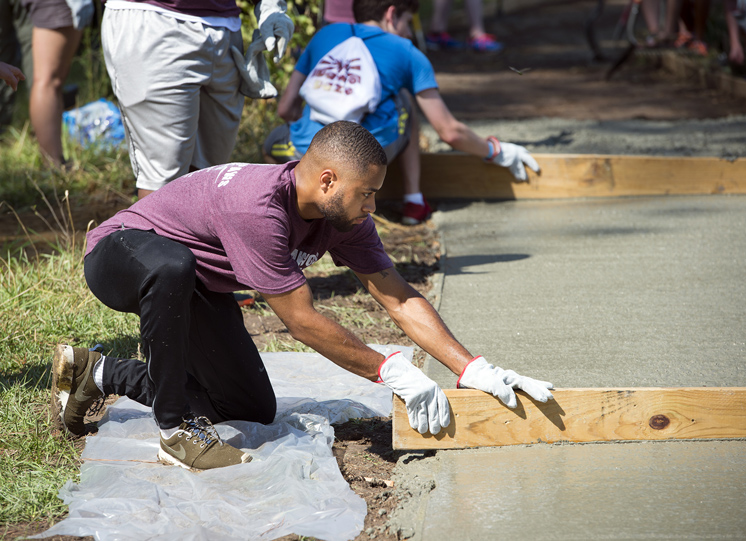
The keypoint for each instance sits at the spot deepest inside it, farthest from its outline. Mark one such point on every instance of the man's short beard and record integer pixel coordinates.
(335, 214)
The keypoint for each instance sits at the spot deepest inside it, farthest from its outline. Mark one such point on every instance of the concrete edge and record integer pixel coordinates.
(414, 480)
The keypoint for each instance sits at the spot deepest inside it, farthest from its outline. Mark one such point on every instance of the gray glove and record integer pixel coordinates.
(275, 26)
(254, 70)
(82, 11)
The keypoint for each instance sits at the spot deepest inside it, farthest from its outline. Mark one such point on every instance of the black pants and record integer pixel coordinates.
(200, 357)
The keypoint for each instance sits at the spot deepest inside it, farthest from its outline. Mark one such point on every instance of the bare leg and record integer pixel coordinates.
(441, 11)
(53, 52)
(650, 11)
(476, 18)
(673, 11)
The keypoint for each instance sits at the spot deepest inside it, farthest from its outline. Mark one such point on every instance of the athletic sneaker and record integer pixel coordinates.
(682, 40)
(442, 40)
(486, 43)
(697, 47)
(196, 445)
(415, 214)
(74, 390)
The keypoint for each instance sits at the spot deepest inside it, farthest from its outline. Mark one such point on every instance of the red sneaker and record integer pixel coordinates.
(415, 214)
(697, 47)
(682, 40)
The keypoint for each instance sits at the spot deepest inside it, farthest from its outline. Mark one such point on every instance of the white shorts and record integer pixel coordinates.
(177, 86)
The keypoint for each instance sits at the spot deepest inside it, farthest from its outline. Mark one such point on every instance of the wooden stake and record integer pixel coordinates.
(582, 415)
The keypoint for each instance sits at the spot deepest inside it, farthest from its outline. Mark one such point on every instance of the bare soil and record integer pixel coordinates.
(560, 77)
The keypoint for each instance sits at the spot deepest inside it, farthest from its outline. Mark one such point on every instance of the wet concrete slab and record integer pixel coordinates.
(670, 490)
(626, 292)
(613, 292)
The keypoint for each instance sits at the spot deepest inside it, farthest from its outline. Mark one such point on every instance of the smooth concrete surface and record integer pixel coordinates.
(617, 292)
(591, 293)
(674, 490)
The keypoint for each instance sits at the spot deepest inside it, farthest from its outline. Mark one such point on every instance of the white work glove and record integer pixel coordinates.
(275, 27)
(514, 157)
(427, 405)
(82, 11)
(480, 375)
(254, 71)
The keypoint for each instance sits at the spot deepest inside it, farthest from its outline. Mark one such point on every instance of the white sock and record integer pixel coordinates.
(98, 373)
(415, 198)
(168, 432)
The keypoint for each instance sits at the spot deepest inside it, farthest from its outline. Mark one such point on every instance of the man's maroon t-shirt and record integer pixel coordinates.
(241, 222)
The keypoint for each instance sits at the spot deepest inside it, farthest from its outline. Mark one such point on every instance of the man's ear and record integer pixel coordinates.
(328, 180)
(389, 16)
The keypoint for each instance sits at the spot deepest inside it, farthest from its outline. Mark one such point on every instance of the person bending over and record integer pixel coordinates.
(175, 257)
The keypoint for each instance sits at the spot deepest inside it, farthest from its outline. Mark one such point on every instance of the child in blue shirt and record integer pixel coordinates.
(404, 72)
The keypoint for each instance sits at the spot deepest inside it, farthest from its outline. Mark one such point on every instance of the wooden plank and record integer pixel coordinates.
(582, 415)
(459, 176)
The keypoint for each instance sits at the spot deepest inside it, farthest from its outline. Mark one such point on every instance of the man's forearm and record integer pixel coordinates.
(339, 345)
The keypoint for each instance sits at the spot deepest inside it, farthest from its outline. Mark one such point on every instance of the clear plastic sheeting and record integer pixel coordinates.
(292, 485)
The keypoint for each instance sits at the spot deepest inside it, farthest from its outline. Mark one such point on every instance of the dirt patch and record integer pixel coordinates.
(42, 225)
(548, 45)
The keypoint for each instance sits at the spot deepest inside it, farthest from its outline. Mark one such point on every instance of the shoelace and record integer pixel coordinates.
(202, 429)
(97, 406)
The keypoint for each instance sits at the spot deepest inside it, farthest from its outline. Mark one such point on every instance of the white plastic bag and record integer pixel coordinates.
(292, 485)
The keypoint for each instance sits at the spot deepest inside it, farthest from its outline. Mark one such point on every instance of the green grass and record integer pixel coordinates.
(33, 465)
(44, 300)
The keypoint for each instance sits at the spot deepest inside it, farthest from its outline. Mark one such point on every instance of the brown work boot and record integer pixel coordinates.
(196, 445)
(73, 389)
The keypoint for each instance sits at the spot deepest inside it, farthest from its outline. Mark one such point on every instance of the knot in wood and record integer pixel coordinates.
(659, 422)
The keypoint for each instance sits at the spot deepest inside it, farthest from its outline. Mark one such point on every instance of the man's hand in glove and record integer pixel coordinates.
(427, 405)
(480, 375)
(82, 11)
(254, 70)
(514, 157)
(275, 27)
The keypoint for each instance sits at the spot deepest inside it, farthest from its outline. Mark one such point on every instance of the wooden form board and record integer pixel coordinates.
(459, 176)
(582, 415)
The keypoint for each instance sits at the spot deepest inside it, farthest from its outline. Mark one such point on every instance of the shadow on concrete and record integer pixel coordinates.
(463, 264)
(563, 138)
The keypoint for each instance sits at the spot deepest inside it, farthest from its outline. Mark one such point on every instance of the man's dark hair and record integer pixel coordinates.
(374, 10)
(349, 144)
